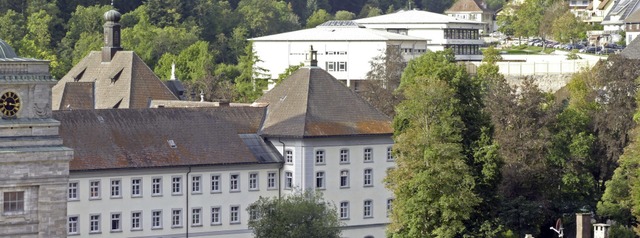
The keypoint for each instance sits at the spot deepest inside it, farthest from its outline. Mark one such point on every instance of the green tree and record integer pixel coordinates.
(252, 79)
(383, 79)
(301, 214)
(345, 15)
(287, 72)
(265, 17)
(12, 28)
(567, 28)
(193, 63)
(37, 43)
(318, 17)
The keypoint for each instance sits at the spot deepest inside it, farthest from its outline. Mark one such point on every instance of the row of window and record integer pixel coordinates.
(197, 183)
(344, 179)
(320, 156)
(367, 209)
(333, 66)
(465, 49)
(467, 34)
(156, 218)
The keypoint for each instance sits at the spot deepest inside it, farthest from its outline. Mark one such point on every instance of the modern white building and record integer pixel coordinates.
(440, 31)
(613, 22)
(178, 172)
(345, 49)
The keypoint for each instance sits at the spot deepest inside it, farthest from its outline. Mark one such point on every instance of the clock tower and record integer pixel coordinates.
(33, 162)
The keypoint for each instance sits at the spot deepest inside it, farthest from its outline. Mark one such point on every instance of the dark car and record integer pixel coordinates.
(606, 51)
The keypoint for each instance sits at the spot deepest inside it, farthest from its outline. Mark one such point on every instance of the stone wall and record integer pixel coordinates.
(547, 83)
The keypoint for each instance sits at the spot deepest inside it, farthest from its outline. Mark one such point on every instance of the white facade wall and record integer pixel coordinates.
(207, 199)
(304, 169)
(277, 56)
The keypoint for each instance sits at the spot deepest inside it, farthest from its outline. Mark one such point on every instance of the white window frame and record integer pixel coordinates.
(156, 219)
(390, 154)
(253, 181)
(136, 187)
(344, 156)
(367, 208)
(117, 218)
(94, 189)
(116, 188)
(136, 220)
(367, 179)
(320, 180)
(72, 191)
(94, 224)
(73, 225)
(320, 157)
(344, 210)
(288, 180)
(389, 206)
(156, 186)
(216, 183)
(196, 184)
(288, 156)
(234, 214)
(367, 155)
(196, 216)
(176, 185)
(344, 178)
(234, 182)
(216, 213)
(272, 182)
(176, 217)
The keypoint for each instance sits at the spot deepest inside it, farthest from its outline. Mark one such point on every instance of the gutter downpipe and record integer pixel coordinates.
(280, 170)
(187, 203)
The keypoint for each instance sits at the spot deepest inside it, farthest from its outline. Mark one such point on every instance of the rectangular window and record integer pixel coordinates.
(196, 185)
(94, 224)
(389, 153)
(368, 209)
(115, 222)
(271, 180)
(94, 190)
(253, 181)
(319, 156)
(344, 156)
(389, 206)
(368, 155)
(156, 219)
(156, 186)
(342, 66)
(196, 217)
(136, 187)
(136, 220)
(215, 216)
(288, 180)
(72, 225)
(320, 180)
(331, 66)
(115, 188)
(253, 214)
(344, 210)
(288, 156)
(176, 185)
(234, 184)
(234, 214)
(215, 183)
(176, 217)
(344, 178)
(368, 177)
(72, 191)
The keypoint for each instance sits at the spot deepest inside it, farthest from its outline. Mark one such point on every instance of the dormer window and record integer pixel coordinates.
(172, 144)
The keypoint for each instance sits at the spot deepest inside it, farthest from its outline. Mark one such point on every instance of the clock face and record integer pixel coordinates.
(9, 104)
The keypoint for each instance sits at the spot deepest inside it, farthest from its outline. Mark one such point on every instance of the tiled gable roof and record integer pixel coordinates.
(467, 6)
(125, 82)
(632, 51)
(312, 103)
(142, 138)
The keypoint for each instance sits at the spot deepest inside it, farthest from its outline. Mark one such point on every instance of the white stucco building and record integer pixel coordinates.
(440, 31)
(344, 47)
(173, 172)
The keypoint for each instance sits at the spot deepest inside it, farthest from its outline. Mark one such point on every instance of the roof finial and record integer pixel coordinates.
(312, 58)
(173, 70)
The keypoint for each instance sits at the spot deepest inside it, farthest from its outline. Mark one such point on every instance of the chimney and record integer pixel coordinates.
(111, 35)
(312, 58)
(583, 225)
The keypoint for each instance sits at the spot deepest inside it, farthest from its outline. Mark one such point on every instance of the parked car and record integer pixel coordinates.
(606, 51)
(589, 49)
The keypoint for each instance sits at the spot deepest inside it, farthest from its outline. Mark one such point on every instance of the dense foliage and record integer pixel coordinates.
(298, 215)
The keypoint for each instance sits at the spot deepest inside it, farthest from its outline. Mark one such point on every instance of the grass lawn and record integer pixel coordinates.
(525, 50)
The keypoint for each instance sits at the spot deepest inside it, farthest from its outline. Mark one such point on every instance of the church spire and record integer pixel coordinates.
(111, 34)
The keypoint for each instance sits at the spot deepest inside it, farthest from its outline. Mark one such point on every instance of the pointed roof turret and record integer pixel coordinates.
(312, 103)
(111, 34)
